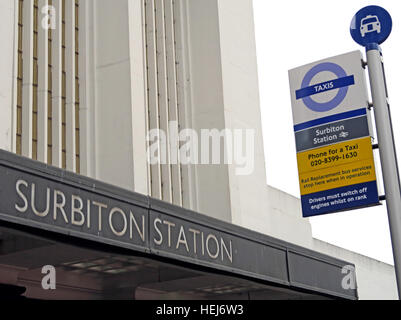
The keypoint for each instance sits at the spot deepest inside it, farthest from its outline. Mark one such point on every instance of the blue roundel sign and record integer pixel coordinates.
(342, 82)
(371, 25)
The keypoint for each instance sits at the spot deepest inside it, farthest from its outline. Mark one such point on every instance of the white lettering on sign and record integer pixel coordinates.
(77, 213)
(75, 210)
(324, 87)
(211, 245)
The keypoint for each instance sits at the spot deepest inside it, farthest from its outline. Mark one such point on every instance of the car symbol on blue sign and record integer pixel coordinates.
(371, 25)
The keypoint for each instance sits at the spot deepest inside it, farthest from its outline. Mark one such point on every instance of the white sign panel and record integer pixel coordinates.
(328, 87)
(333, 135)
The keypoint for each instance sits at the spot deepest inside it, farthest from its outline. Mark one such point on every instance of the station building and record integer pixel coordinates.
(77, 192)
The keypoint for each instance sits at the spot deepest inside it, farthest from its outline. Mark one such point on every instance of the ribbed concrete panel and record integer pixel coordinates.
(47, 85)
(163, 100)
(27, 85)
(57, 86)
(86, 95)
(43, 84)
(163, 85)
(183, 89)
(70, 84)
(152, 83)
(170, 26)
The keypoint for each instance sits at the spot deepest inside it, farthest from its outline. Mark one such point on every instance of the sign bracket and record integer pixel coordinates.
(364, 64)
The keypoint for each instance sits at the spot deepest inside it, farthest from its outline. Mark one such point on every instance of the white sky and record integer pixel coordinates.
(292, 33)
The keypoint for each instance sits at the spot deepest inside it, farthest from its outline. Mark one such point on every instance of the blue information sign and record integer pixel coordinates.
(371, 25)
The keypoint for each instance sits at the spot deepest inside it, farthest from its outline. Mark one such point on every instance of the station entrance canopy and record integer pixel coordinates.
(106, 242)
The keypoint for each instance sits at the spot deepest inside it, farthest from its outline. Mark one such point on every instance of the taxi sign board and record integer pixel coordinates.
(371, 24)
(333, 135)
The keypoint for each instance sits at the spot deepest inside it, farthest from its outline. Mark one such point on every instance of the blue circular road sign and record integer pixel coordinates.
(337, 100)
(371, 25)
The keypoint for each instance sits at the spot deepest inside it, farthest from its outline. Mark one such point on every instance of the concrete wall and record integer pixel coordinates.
(375, 280)
(225, 95)
(113, 111)
(207, 102)
(284, 218)
(241, 107)
(115, 93)
(7, 69)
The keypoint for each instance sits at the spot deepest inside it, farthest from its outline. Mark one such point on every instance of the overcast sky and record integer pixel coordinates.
(292, 33)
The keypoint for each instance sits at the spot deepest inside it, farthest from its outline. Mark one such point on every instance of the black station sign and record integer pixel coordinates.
(38, 196)
(91, 213)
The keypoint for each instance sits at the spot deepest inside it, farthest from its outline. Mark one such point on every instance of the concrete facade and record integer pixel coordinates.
(217, 87)
(8, 71)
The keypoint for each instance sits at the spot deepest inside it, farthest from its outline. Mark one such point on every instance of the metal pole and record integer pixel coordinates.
(388, 155)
